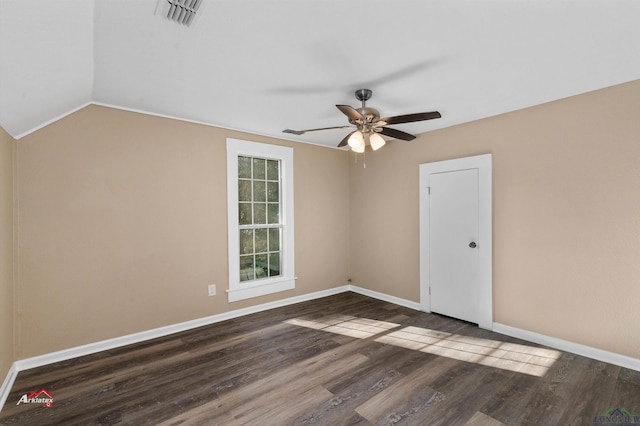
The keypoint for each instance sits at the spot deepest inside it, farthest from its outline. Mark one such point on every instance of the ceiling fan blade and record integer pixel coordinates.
(350, 112)
(344, 141)
(409, 118)
(302, 132)
(396, 134)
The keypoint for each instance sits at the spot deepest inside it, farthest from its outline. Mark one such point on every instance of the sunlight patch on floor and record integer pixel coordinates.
(345, 325)
(492, 353)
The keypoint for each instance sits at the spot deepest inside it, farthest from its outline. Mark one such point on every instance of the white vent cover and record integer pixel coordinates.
(180, 11)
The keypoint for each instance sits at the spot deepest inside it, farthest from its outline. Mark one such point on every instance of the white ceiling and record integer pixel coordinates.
(266, 65)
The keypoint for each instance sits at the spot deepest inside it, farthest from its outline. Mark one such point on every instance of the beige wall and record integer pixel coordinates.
(123, 224)
(123, 221)
(7, 178)
(566, 215)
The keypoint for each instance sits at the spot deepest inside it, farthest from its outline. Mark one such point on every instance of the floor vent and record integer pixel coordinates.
(182, 12)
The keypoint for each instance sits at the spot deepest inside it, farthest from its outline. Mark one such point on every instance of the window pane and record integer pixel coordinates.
(261, 240)
(274, 239)
(273, 192)
(246, 241)
(273, 170)
(259, 168)
(274, 264)
(260, 213)
(259, 191)
(244, 211)
(260, 231)
(246, 268)
(274, 213)
(262, 267)
(244, 190)
(244, 167)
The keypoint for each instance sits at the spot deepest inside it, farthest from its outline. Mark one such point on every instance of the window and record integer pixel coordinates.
(260, 219)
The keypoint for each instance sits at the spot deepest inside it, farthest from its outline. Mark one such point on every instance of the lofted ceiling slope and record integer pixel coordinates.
(266, 65)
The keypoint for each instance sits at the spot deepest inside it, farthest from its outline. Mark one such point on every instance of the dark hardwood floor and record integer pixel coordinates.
(344, 359)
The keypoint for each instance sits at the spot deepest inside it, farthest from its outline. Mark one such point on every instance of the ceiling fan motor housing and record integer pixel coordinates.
(370, 114)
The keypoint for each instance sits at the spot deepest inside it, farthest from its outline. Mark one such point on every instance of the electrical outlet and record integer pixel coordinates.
(212, 289)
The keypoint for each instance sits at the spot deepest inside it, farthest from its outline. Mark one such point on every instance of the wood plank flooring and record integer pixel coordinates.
(341, 360)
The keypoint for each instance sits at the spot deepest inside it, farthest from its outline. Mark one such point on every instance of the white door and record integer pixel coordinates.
(453, 236)
(456, 239)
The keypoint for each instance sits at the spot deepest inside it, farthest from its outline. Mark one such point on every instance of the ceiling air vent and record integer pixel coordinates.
(180, 11)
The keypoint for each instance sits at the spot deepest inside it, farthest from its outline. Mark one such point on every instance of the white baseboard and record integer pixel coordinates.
(91, 348)
(65, 354)
(385, 297)
(566, 346)
(7, 384)
(88, 349)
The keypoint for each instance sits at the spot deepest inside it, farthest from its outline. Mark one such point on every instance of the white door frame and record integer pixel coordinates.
(485, 238)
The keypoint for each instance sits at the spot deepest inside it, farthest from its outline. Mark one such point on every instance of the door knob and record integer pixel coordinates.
(473, 244)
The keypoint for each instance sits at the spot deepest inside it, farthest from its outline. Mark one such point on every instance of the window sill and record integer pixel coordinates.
(260, 288)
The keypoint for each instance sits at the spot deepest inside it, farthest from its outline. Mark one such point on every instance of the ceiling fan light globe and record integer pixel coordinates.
(376, 141)
(359, 149)
(356, 140)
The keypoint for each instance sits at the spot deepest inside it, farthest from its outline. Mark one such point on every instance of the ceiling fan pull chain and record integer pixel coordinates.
(355, 158)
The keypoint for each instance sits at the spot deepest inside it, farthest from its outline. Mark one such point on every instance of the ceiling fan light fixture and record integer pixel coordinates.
(356, 141)
(359, 149)
(376, 141)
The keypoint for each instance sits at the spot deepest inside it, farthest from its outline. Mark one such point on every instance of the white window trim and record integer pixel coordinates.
(285, 281)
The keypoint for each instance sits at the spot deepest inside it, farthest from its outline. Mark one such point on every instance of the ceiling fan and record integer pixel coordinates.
(369, 125)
